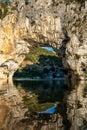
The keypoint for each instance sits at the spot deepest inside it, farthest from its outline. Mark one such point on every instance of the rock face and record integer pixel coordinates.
(12, 46)
(60, 24)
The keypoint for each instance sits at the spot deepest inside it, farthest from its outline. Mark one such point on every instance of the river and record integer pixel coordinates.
(21, 100)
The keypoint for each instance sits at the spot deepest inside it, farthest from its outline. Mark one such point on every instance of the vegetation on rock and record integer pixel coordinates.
(3, 9)
(43, 61)
(38, 55)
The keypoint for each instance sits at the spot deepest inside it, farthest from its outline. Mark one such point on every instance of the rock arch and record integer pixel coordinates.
(35, 24)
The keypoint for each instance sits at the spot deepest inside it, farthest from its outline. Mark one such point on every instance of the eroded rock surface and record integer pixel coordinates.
(60, 24)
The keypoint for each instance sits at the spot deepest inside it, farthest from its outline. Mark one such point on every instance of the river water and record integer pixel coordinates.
(20, 102)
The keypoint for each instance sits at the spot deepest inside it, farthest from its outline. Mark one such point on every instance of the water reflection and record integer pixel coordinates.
(42, 95)
(77, 111)
(11, 106)
(18, 98)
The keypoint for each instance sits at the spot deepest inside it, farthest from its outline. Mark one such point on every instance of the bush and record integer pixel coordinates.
(4, 9)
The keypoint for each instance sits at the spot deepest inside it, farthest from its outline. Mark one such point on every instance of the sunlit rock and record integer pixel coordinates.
(59, 24)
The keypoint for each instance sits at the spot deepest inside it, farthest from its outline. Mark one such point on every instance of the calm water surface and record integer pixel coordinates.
(21, 100)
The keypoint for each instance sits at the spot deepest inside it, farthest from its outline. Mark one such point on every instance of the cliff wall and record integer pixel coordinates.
(61, 24)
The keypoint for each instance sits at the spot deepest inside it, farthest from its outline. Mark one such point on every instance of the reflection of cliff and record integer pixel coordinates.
(11, 106)
(72, 112)
(77, 111)
(12, 112)
(48, 93)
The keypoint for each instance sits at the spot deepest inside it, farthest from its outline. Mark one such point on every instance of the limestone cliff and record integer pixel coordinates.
(57, 23)
(13, 30)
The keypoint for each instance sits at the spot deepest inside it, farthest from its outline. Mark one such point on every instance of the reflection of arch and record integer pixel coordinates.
(77, 110)
(54, 121)
(47, 114)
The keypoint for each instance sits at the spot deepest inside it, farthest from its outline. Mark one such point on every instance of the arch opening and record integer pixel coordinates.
(41, 79)
(41, 63)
